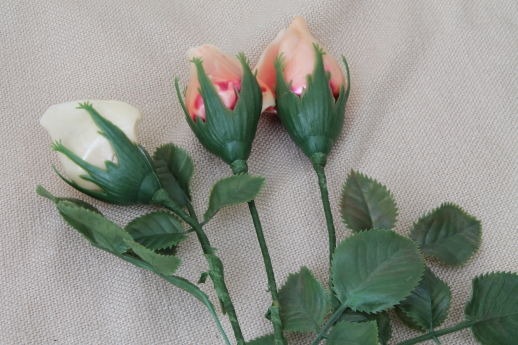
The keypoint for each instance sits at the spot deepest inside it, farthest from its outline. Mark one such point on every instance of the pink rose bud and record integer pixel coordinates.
(225, 72)
(296, 46)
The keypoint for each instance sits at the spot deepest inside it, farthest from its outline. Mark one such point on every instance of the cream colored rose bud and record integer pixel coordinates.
(78, 132)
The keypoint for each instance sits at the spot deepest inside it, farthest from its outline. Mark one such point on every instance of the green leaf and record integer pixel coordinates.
(367, 204)
(493, 308)
(46, 194)
(449, 234)
(264, 340)
(163, 264)
(303, 302)
(83, 230)
(156, 230)
(382, 321)
(196, 292)
(174, 168)
(233, 190)
(374, 270)
(106, 234)
(352, 333)
(427, 306)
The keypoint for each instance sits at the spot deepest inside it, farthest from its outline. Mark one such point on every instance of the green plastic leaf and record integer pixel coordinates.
(83, 230)
(46, 194)
(233, 190)
(303, 302)
(264, 340)
(449, 234)
(174, 168)
(162, 264)
(374, 270)
(367, 204)
(427, 306)
(352, 333)
(493, 308)
(156, 230)
(382, 321)
(106, 234)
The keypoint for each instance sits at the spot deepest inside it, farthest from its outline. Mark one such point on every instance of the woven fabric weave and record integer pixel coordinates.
(433, 114)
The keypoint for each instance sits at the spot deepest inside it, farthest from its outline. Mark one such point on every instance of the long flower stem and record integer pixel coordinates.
(441, 332)
(272, 286)
(240, 167)
(319, 162)
(161, 197)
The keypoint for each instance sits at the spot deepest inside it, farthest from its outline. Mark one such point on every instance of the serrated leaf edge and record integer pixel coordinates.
(130, 243)
(375, 325)
(421, 275)
(421, 327)
(154, 212)
(189, 157)
(371, 180)
(311, 273)
(463, 212)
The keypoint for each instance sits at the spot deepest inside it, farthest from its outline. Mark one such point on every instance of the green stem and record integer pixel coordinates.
(240, 167)
(441, 332)
(319, 162)
(161, 198)
(329, 324)
(272, 286)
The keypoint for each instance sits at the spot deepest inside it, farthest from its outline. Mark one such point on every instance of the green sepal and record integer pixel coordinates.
(303, 302)
(427, 306)
(157, 230)
(104, 233)
(493, 308)
(264, 340)
(352, 333)
(449, 234)
(130, 181)
(227, 133)
(314, 120)
(374, 270)
(174, 168)
(233, 190)
(382, 321)
(367, 204)
(162, 264)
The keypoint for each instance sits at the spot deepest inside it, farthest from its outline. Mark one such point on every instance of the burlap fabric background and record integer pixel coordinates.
(433, 114)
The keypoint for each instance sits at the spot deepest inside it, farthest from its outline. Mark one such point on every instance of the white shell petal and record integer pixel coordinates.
(78, 132)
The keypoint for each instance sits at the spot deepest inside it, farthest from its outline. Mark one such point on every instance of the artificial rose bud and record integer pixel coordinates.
(225, 72)
(309, 88)
(295, 44)
(108, 164)
(224, 102)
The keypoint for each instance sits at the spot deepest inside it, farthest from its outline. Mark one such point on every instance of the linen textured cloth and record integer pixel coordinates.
(433, 114)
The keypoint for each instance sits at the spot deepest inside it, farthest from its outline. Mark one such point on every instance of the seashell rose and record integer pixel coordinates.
(225, 72)
(295, 46)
